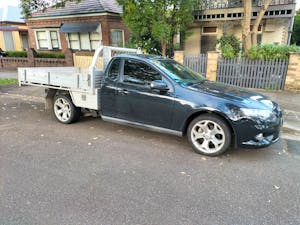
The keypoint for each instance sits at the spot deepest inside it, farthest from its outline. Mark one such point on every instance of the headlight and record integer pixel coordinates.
(247, 113)
(256, 113)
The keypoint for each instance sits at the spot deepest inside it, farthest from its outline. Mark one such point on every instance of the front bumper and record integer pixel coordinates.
(257, 134)
(265, 141)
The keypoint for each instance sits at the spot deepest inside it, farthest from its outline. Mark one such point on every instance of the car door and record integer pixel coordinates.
(109, 89)
(137, 102)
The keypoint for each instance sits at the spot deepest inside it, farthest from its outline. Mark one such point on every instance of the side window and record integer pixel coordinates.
(136, 72)
(114, 69)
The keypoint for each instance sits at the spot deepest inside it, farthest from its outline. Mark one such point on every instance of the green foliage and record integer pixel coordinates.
(296, 29)
(56, 55)
(271, 51)
(22, 54)
(229, 46)
(147, 44)
(8, 81)
(156, 21)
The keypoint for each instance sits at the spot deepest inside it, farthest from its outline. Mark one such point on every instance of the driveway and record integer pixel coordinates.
(93, 172)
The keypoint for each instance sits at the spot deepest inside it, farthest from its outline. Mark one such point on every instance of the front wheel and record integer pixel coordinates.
(64, 109)
(209, 135)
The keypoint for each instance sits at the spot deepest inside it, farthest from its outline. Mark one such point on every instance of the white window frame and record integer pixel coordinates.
(49, 41)
(79, 40)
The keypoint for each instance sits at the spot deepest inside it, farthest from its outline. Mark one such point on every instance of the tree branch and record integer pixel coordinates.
(258, 19)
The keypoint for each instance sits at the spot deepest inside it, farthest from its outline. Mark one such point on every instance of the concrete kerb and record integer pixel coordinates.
(289, 101)
(291, 120)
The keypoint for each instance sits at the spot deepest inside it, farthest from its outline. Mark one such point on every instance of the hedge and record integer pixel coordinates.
(56, 55)
(22, 54)
(271, 51)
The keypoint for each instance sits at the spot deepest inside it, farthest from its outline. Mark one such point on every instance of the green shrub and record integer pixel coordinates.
(271, 51)
(22, 54)
(229, 46)
(56, 55)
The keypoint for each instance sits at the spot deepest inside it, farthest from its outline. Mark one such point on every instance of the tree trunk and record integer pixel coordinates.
(170, 52)
(246, 25)
(258, 19)
(182, 39)
(163, 44)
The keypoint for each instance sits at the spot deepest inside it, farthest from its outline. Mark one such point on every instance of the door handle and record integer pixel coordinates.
(123, 92)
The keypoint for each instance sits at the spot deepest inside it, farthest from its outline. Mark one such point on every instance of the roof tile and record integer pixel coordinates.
(83, 7)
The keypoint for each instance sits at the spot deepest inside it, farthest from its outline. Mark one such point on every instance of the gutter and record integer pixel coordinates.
(85, 14)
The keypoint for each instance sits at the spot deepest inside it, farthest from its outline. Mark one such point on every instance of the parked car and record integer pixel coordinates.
(3, 53)
(160, 94)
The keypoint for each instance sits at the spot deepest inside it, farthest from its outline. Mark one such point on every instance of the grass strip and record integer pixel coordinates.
(4, 81)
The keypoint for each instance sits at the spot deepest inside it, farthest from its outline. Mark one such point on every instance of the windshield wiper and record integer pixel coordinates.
(195, 83)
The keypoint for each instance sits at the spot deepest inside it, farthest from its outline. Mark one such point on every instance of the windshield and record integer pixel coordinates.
(179, 73)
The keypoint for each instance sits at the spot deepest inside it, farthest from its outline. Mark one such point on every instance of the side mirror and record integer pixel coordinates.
(159, 85)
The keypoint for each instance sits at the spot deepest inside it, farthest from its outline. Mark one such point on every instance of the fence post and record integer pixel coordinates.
(212, 65)
(31, 53)
(293, 73)
(69, 57)
(179, 56)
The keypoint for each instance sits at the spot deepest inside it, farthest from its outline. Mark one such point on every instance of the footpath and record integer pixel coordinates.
(289, 102)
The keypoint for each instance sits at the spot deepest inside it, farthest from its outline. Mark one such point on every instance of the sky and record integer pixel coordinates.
(11, 2)
(17, 2)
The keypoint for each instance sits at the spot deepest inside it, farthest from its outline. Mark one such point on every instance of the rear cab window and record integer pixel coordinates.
(114, 68)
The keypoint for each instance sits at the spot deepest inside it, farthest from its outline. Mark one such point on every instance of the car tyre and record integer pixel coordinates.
(209, 135)
(64, 110)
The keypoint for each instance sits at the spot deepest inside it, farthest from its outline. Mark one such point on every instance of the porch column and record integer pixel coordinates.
(292, 81)
(179, 56)
(212, 65)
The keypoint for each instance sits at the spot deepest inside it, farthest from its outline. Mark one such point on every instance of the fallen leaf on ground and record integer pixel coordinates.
(276, 187)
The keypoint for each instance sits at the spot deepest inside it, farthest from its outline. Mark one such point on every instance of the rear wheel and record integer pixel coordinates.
(64, 109)
(209, 135)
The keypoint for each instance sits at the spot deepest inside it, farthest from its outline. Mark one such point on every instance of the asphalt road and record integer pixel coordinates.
(93, 172)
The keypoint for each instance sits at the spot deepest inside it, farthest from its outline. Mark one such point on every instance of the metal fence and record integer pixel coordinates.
(197, 63)
(244, 72)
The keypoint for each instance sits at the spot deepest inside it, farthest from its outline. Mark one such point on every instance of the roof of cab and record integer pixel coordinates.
(146, 57)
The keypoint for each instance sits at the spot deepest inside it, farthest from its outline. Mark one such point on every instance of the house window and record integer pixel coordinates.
(209, 30)
(84, 41)
(54, 39)
(8, 40)
(95, 40)
(74, 41)
(42, 39)
(259, 29)
(47, 39)
(117, 38)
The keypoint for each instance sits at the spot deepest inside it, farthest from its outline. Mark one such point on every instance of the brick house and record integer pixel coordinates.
(80, 27)
(215, 17)
(13, 30)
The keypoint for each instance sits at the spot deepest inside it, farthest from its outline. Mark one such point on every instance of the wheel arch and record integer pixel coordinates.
(212, 112)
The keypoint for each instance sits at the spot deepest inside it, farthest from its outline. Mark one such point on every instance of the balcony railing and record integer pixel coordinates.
(223, 4)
